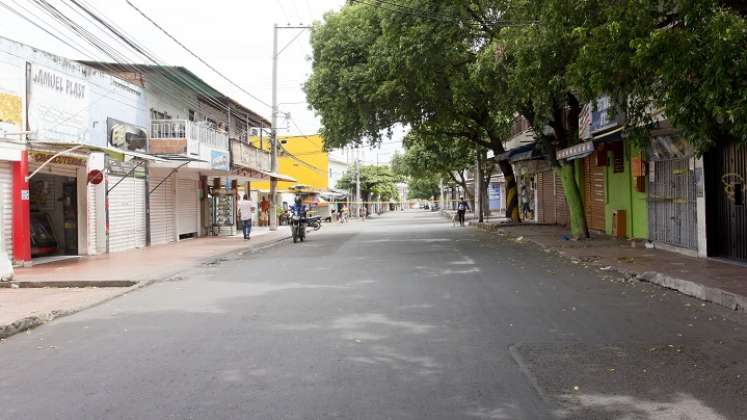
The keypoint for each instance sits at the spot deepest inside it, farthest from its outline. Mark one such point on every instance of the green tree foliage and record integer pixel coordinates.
(685, 57)
(376, 182)
(424, 188)
(375, 67)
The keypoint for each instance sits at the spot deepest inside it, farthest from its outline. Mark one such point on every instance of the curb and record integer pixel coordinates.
(34, 321)
(715, 295)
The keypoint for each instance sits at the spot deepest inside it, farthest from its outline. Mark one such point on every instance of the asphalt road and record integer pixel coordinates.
(402, 317)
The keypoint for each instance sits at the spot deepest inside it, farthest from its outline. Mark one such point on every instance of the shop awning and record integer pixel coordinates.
(179, 158)
(280, 177)
(116, 154)
(577, 151)
(524, 152)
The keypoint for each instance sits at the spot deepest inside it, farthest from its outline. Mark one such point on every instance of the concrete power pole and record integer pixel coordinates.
(357, 183)
(478, 187)
(274, 133)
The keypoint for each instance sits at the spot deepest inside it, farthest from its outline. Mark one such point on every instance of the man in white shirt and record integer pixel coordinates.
(247, 208)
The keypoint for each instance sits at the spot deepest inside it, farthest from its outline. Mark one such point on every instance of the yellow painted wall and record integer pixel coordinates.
(310, 166)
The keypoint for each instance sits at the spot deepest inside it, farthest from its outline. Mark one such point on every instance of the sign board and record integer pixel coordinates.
(577, 151)
(219, 160)
(494, 196)
(41, 157)
(11, 108)
(95, 177)
(606, 116)
(125, 136)
(58, 106)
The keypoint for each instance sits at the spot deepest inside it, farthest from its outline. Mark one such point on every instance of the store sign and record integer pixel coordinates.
(219, 160)
(42, 157)
(125, 136)
(58, 106)
(578, 151)
(129, 168)
(606, 116)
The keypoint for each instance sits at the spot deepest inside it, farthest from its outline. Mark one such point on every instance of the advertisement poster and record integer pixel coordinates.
(494, 196)
(10, 113)
(219, 160)
(58, 106)
(126, 136)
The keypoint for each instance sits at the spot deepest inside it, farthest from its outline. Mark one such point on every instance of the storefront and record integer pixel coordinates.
(590, 163)
(127, 192)
(58, 204)
(672, 194)
(726, 177)
(162, 206)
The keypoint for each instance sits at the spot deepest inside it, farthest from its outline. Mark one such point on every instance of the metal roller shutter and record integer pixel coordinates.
(546, 194)
(162, 211)
(187, 208)
(594, 193)
(6, 195)
(672, 204)
(126, 214)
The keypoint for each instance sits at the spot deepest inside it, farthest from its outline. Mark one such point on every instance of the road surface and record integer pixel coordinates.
(400, 317)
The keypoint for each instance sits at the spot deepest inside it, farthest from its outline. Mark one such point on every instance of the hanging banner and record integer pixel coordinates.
(58, 106)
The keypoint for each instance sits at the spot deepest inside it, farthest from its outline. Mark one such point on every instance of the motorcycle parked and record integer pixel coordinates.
(315, 222)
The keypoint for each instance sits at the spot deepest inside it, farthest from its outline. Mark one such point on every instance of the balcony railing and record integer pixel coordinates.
(248, 156)
(184, 137)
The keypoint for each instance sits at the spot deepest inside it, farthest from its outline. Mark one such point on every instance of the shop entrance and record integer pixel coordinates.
(53, 203)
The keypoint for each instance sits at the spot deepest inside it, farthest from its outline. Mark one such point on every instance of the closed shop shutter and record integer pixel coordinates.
(672, 208)
(561, 206)
(93, 219)
(594, 193)
(162, 211)
(187, 209)
(6, 197)
(546, 195)
(126, 214)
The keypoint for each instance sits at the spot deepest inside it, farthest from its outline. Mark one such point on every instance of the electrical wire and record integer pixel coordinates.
(149, 19)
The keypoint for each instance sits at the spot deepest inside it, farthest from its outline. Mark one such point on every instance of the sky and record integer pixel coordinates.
(233, 36)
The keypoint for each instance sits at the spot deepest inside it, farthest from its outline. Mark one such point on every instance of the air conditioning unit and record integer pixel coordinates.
(619, 224)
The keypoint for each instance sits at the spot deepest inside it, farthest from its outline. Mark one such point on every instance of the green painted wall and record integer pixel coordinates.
(620, 194)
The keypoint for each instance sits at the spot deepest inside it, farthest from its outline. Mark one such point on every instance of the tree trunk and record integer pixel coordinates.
(572, 192)
(489, 168)
(512, 191)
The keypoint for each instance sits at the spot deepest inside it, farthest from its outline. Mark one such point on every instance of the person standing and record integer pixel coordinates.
(264, 210)
(247, 208)
(462, 207)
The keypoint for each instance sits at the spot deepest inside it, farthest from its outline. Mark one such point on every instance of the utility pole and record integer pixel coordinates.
(274, 133)
(478, 186)
(357, 182)
(274, 129)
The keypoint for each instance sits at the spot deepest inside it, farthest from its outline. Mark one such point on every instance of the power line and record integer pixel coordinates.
(195, 55)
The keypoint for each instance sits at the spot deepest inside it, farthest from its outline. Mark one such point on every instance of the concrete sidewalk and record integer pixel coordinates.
(45, 292)
(711, 280)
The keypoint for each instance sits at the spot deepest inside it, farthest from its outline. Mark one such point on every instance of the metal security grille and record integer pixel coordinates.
(672, 210)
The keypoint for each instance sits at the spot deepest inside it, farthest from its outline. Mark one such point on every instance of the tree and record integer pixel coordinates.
(375, 67)
(376, 181)
(424, 188)
(428, 157)
(687, 58)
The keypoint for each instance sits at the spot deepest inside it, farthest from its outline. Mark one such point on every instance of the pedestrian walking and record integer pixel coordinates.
(247, 208)
(462, 207)
(344, 214)
(364, 213)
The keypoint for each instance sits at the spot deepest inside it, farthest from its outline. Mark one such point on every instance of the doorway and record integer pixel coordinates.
(53, 203)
